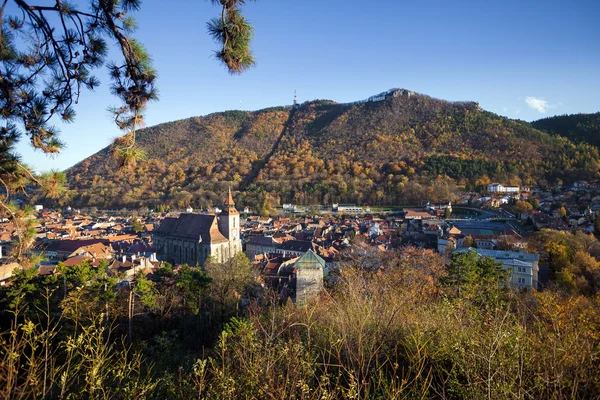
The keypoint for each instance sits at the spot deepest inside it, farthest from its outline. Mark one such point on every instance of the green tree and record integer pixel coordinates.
(144, 290)
(471, 274)
(534, 203)
(447, 213)
(193, 283)
(137, 226)
(229, 282)
(48, 53)
(597, 223)
(23, 291)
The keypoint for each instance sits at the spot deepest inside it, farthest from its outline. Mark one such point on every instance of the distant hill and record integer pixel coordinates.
(577, 127)
(397, 148)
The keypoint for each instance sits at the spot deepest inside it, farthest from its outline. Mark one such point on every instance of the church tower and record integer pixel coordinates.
(229, 225)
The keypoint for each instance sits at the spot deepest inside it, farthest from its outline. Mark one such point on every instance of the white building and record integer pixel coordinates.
(347, 208)
(500, 188)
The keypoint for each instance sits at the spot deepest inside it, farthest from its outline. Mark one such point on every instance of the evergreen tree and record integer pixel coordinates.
(48, 54)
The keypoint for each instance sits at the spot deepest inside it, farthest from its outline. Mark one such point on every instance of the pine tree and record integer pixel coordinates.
(48, 54)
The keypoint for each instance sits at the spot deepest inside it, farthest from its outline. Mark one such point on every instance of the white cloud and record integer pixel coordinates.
(538, 104)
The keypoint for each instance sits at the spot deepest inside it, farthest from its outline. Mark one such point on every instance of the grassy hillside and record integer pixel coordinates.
(404, 148)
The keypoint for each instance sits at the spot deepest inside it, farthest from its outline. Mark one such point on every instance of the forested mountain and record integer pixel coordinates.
(577, 127)
(400, 147)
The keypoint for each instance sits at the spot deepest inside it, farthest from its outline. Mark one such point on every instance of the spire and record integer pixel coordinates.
(229, 202)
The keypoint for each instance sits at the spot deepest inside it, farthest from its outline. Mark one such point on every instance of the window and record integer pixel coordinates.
(521, 281)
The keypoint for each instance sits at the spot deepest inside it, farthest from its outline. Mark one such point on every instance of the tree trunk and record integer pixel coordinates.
(131, 304)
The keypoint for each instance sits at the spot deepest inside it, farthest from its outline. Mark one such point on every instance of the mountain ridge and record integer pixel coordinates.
(584, 127)
(398, 146)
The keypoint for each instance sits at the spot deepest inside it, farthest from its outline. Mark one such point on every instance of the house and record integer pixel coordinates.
(192, 238)
(411, 213)
(580, 185)
(61, 249)
(7, 270)
(296, 247)
(375, 230)
(446, 245)
(433, 229)
(260, 245)
(96, 250)
(129, 268)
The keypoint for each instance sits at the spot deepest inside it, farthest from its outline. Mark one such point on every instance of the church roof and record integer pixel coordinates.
(193, 226)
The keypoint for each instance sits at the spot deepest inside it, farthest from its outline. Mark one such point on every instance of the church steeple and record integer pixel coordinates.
(229, 204)
(229, 221)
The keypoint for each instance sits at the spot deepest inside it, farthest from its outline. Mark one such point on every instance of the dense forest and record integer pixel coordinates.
(405, 149)
(577, 127)
(389, 325)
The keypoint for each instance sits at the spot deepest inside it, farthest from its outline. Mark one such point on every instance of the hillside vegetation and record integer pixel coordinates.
(576, 127)
(441, 330)
(402, 149)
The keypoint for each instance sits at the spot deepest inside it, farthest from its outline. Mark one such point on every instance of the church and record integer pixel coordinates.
(192, 238)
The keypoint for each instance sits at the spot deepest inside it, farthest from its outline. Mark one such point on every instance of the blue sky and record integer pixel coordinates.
(522, 59)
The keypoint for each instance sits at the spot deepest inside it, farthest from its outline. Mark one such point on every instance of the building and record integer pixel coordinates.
(296, 247)
(260, 245)
(413, 213)
(192, 238)
(62, 249)
(309, 277)
(346, 208)
(523, 266)
(8, 270)
(500, 188)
